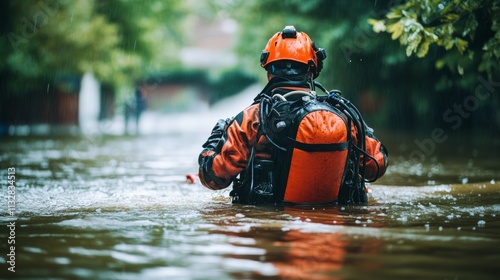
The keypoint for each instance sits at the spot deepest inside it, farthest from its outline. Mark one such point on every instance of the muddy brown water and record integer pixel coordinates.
(118, 207)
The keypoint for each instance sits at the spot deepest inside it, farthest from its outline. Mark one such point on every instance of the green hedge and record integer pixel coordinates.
(229, 83)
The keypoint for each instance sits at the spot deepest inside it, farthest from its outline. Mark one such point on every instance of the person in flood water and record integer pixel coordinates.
(133, 109)
(293, 146)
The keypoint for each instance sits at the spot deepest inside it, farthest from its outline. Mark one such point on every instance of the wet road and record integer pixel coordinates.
(117, 207)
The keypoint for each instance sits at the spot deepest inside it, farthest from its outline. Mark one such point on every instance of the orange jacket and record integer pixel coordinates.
(218, 167)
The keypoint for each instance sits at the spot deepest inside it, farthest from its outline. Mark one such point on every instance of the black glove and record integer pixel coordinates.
(217, 135)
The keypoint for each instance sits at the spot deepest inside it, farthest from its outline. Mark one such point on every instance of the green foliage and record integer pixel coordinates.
(117, 40)
(452, 25)
(180, 76)
(229, 82)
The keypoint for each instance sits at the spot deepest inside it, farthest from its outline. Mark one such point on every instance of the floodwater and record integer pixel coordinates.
(120, 207)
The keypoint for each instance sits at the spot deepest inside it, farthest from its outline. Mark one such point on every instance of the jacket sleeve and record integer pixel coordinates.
(227, 150)
(377, 165)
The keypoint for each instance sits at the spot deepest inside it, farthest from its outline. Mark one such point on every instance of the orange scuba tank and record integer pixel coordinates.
(318, 159)
(315, 158)
(312, 164)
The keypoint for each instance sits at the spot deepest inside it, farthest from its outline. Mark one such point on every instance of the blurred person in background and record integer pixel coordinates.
(133, 109)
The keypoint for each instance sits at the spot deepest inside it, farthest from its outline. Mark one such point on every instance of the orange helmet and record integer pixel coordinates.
(291, 45)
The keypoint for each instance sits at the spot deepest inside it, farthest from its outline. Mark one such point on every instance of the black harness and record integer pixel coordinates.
(263, 181)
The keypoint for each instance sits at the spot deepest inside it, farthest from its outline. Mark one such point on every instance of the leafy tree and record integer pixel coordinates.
(118, 40)
(468, 30)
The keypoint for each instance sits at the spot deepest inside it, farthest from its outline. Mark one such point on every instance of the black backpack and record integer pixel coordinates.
(315, 159)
